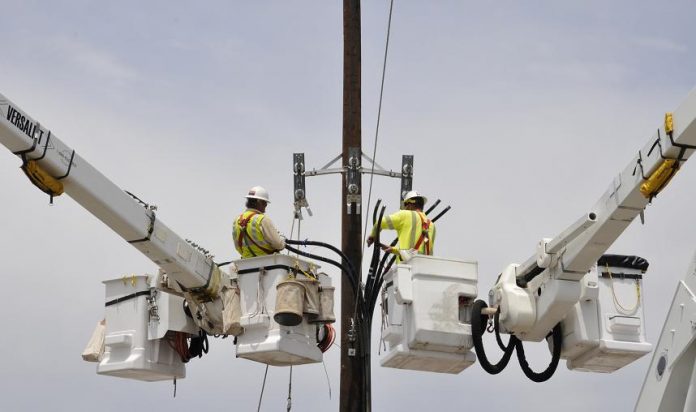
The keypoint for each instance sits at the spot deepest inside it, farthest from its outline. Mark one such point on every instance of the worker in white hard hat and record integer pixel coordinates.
(415, 231)
(254, 232)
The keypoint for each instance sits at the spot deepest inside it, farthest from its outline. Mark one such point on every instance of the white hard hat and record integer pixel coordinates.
(414, 194)
(258, 192)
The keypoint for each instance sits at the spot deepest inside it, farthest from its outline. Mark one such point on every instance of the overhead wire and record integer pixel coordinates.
(263, 386)
(366, 324)
(289, 406)
(379, 117)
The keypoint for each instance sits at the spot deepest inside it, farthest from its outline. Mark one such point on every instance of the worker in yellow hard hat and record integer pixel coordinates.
(415, 231)
(254, 232)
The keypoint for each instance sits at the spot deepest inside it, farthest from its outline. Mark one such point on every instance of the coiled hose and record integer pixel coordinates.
(478, 326)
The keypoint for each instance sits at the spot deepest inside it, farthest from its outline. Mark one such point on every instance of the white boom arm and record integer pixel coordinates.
(670, 383)
(535, 296)
(191, 269)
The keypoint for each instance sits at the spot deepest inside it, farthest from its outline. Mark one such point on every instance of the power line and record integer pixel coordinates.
(379, 116)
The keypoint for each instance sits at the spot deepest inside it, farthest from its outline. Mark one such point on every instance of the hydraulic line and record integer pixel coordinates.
(478, 326)
(557, 336)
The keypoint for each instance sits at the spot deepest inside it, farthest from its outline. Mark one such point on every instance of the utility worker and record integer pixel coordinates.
(254, 232)
(415, 231)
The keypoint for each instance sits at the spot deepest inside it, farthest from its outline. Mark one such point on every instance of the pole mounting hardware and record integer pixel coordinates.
(299, 190)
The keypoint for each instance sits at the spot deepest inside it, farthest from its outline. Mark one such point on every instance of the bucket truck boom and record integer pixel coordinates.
(535, 296)
(190, 270)
(147, 322)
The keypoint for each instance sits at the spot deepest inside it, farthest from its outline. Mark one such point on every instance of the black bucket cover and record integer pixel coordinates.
(622, 261)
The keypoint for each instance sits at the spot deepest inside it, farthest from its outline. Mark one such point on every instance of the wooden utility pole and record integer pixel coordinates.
(354, 390)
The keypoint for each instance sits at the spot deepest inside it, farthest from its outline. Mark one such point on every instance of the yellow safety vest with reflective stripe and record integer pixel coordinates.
(248, 236)
(409, 227)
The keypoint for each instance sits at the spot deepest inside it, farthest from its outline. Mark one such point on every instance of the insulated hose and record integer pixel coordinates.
(478, 326)
(557, 336)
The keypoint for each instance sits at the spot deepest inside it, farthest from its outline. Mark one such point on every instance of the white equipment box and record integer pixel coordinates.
(264, 339)
(605, 330)
(428, 314)
(137, 319)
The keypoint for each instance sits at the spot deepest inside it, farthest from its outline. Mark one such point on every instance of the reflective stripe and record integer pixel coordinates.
(414, 227)
(257, 233)
(388, 221)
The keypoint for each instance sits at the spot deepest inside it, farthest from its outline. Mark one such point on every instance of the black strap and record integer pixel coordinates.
(245, 231)
(622, 275)
(272, 267)
(200, 293)
(25, 151)
(67, 173)
(149, 230)
(48, 139)
(127, 297)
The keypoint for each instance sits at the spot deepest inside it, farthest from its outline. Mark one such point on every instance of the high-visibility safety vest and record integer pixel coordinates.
(248, 236)
(414, 229)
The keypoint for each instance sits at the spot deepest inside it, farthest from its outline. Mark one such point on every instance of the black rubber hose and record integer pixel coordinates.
(338, 251)
(557, 336)
(327, 260)
(478, 326)
(496, 325)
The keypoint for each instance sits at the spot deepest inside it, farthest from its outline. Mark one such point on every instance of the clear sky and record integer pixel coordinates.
(519, 114)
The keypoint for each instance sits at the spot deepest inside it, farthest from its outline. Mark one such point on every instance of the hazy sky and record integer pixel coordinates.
(519, 114)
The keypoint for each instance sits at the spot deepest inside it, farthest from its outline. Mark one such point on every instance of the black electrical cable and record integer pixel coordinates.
(445, 210)
(434, 205)
(374, 211)
(351, 268)
(323, 259)
(374, 262)
(372, 272)
(478, 326)
(557, 339)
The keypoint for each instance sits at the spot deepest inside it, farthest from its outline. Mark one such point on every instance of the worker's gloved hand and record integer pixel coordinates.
(370, 241)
